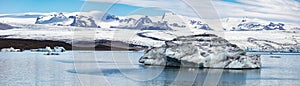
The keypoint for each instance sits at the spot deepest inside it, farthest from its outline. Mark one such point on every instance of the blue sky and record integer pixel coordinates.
(273, 10)
(235, 1)
(19, 6)
(23, 6)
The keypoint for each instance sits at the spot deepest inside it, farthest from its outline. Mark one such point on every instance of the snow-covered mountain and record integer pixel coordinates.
(296, 28)
(199, 25)
(127, 29)
(245, 25)
(168, 21)
(110, 18)
(184, 22)
(143, 23)
(5, 26)
(61, 20)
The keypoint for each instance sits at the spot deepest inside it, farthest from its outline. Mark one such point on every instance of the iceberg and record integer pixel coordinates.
(11, 49)
(203, 51)
(48, 49)
(59, 49)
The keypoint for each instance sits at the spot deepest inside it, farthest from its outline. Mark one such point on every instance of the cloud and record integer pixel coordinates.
(272, 10)
(176, 6)
(194, 8)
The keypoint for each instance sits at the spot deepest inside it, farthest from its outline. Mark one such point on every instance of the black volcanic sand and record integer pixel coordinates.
(117, 45)
(27, 44)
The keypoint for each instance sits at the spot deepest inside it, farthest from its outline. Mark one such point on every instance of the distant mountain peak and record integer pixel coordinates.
(142, 23)
(244, 19)
(60, 19)
(167, 14)
(5, 26)
(108, 17)
(246, 25)
(143, 20)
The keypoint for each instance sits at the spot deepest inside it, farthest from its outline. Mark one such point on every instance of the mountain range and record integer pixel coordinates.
(137, 29)
(61, 20)
(244, 25)
(168, 21)
(127, 22)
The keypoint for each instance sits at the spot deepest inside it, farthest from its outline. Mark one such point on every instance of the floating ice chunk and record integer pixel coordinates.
(204, 50)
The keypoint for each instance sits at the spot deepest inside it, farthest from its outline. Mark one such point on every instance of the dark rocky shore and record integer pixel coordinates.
(27, 44)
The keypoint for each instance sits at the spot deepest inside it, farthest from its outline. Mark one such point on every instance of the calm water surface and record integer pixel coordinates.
(119, 68)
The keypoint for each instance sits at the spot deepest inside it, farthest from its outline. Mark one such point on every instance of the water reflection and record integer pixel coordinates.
(36, 69)
(169, 76)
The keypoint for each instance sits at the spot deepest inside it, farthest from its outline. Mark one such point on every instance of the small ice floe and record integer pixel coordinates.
(204, 51)
(11, 49)
(275, 56)
(51, 53)
(48, 49)
(59, 49)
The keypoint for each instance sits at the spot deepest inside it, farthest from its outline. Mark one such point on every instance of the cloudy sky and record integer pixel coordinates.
(273, 10)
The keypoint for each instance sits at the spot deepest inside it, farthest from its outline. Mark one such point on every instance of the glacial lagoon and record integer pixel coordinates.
(88, 68)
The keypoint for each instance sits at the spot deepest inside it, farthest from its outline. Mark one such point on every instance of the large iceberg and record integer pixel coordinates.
(204, 51)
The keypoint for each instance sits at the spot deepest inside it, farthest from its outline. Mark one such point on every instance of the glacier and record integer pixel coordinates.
(203, 51)
(179, 26)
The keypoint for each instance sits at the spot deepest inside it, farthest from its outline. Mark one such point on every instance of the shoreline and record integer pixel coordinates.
(100, 45)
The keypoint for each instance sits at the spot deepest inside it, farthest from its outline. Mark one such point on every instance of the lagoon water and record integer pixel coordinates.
(121, 68)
